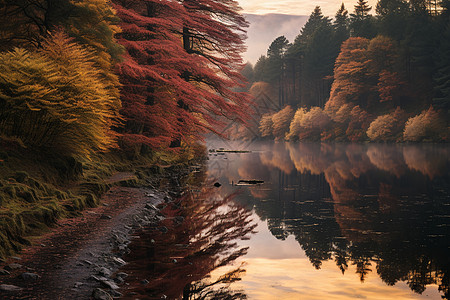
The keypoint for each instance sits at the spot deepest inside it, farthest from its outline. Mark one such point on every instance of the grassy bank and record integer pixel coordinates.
(36, 189)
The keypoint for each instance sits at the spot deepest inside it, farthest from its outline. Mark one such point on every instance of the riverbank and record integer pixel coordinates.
(77, 258)
(63, 220)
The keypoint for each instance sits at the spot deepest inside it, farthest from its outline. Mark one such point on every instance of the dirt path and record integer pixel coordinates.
(62, 262)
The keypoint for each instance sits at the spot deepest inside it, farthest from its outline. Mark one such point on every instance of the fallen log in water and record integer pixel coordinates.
(250, 182)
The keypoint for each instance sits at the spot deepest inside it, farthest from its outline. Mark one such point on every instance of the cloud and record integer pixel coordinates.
(297, 7)
(265, 28)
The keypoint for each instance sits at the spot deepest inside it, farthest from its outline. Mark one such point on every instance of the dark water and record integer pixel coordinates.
(333, 222)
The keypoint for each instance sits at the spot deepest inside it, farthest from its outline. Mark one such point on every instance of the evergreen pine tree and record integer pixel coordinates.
(361, 23)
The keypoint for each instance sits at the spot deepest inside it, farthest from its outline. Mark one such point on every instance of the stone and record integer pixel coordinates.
(4, 272)
(87, 262)
(9, 288)
(29, 276)
(122, 275)
(100, 294)
(217, 184)
(105, 217)
(119, 261)
(150, 206)
(16, 257)
(98, 278)
(12, 266)
(110, 284)
(145, 281)
(78, 284)
(119, 280)
(163, 229)
(104, 272)
(116, 294)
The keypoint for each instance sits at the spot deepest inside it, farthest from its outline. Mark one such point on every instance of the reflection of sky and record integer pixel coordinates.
(279, 269)
(285, 273)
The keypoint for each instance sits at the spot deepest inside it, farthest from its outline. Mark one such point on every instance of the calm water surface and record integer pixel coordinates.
(331, 221)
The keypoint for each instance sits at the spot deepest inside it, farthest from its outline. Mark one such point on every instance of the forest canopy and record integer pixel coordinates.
(81, 77)
(362, 77)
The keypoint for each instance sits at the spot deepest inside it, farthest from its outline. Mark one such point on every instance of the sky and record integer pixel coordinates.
(296, 7)
(270, 19)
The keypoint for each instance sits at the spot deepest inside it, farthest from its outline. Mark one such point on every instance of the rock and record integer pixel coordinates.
(16, 257)
(116, 294)
(104, 272)
(217, 184)
(100, 294)
(12, 266)
(4, 272)
(98, 278)
(174, 261)
(9, 288)
(145, 281)
(119, 280)
(87, 262)
(122, 275)
(110, 284)
(150, 206)
(119, 261)
(29, 276)
(78, 284)
(105, 217)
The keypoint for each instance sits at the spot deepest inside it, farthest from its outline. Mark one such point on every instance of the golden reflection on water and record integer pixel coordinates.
(368, 221)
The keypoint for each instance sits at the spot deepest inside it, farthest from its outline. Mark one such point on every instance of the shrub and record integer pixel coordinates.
(387, 127)
(56, 98)
(359, 122)
(281, 121)
(295, 127)
(427, 126)
(266, 125)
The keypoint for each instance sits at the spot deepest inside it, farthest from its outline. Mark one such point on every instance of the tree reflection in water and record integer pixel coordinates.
(383, 208)
(203, 230)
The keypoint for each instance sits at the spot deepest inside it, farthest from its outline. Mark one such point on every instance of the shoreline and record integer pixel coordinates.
(77, 259)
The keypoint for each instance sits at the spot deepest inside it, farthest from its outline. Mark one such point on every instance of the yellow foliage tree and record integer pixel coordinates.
(281, 121)
(56, 98)
(266, 125)
(387, 127)
(427, 126)
(295, 126)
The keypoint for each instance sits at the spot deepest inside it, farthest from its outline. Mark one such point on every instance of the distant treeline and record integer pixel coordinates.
(78, 77)
(383, 77)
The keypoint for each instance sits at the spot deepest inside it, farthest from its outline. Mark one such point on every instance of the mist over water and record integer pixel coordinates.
(330, 221)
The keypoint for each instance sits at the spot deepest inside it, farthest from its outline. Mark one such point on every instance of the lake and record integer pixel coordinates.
(329, 221)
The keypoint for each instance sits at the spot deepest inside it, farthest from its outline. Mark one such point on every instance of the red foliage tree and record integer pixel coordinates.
(171, 91)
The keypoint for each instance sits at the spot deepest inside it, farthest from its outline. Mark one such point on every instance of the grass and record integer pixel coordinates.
(36, 189)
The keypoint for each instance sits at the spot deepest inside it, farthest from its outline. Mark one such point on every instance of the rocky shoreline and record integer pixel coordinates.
(81, 257)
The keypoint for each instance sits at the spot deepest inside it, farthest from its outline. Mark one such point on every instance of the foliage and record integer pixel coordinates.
(56, 98)
(266, 125)
(361, 22)
(172, 90)
(281, 121)
(358, 124)
(295, 127)
(388, 127)
(427, 126)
